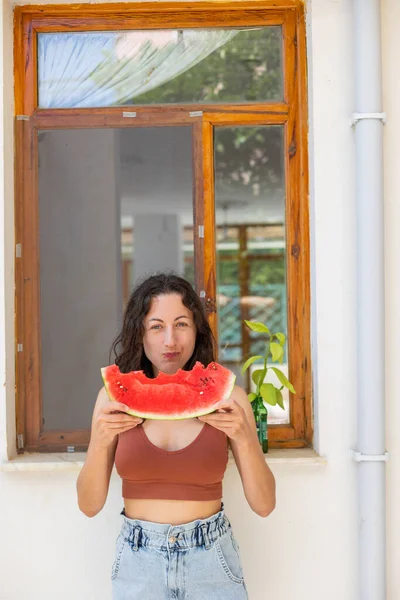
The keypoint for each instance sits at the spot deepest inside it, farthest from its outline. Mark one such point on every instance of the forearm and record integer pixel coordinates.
(257, 478)
(93, 481)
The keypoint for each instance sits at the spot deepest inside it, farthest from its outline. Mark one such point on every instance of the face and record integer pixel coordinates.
(169, 334)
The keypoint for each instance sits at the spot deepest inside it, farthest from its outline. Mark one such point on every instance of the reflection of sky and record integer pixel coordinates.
(129, 43)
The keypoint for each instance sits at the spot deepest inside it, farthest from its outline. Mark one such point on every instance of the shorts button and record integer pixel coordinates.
(172, 540)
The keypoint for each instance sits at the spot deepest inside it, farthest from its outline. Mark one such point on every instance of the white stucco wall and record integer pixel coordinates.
(391, 102)
(307, 548)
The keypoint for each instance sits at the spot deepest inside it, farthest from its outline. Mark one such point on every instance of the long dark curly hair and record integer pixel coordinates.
(127, 348)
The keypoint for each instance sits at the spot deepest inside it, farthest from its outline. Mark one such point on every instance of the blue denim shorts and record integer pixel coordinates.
(195, 561)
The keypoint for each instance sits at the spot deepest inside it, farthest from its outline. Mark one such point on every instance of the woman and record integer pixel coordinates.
(176, 541)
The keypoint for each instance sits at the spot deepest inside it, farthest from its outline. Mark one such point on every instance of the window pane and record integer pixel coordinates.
(115, 205)
(251, 253)
(89, 69)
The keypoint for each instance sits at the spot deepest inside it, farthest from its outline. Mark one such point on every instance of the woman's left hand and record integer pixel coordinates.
(236, 419)
(232, 420)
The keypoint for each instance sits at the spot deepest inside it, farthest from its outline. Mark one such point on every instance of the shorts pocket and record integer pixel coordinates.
(120, 544)
(228, 555)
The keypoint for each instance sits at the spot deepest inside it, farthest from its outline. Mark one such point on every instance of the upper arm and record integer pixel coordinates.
(241, 398)
(102, 400)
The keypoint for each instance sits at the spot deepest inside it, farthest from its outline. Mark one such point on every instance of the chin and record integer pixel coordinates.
(168, 370)
(171, 368)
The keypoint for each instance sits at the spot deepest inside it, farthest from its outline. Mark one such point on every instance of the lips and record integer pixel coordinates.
(171, 355)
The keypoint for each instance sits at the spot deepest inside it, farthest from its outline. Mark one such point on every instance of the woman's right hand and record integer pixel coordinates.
(110, 421)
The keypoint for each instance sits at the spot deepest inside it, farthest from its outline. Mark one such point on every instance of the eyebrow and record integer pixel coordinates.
(177, 318)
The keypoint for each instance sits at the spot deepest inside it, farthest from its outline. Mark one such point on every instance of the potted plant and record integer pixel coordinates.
(266, 392)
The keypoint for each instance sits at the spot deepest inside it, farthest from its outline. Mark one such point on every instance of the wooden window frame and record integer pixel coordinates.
(291, 113)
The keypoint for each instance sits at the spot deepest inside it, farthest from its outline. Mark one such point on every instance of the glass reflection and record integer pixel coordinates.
(113, 68)
(251, 273)
(114, 206)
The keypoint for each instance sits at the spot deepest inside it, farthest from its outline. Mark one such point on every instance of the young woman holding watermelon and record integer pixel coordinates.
(176, 541)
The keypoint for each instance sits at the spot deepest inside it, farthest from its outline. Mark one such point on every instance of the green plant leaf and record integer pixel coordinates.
(283, 379)
(258, 376)
(252, 396)
(268, 393)
(281, 337)
(249, 362)
(279, 399)
(257, 326)
(276, 351)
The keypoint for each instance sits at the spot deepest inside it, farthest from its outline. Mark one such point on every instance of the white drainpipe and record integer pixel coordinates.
(370, 453)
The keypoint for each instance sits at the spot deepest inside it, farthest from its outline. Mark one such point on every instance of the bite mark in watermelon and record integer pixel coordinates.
(183, 395)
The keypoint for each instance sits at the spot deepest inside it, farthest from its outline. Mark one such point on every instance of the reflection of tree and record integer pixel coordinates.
(248, 160)
(246, 69)
(262, 272)
(268, 271)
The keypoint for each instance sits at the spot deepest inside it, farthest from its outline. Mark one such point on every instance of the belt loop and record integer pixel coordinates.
(226, 524)
(206, 538)
(135, 538)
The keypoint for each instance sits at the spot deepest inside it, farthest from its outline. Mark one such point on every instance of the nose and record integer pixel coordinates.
(169, 340)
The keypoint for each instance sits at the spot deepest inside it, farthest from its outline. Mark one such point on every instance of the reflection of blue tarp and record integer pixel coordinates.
(230, 318)
(66, 64)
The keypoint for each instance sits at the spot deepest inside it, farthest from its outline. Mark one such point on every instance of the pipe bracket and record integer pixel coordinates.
(358, 457)
(381, 116)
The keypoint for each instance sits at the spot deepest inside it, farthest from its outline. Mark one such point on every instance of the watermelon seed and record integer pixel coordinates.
(201, 393)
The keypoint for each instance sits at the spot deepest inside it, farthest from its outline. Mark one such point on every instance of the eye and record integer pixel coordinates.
(155, 327)
(182, 324)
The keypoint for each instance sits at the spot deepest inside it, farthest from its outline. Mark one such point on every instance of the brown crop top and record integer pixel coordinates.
(192, 473)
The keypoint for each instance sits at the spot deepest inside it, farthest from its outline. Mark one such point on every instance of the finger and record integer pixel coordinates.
(113, 406)
(222, 416)
(119, 418)
(230, 429)
(116, 428)
(230, 406)
(219, 415)
(227, 429)
(220, 423)
(123, 423)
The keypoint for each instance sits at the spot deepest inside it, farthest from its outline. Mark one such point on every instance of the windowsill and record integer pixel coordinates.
(73, 461)
(36, 461)
(290, 456)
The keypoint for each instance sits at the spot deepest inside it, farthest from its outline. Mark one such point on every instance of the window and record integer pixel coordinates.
(157, 130)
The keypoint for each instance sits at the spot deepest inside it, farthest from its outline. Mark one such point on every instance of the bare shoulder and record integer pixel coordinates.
(101, 401)
(241, 398)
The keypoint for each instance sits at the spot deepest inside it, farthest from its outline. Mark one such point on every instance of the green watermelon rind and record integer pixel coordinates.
(225, 396)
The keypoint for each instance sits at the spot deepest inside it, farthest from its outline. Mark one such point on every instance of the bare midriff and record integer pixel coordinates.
(173, 512)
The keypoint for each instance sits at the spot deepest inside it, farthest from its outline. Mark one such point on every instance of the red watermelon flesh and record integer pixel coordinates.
(183, 395)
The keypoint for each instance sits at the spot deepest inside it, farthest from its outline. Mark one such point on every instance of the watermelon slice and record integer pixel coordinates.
(183, 395)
